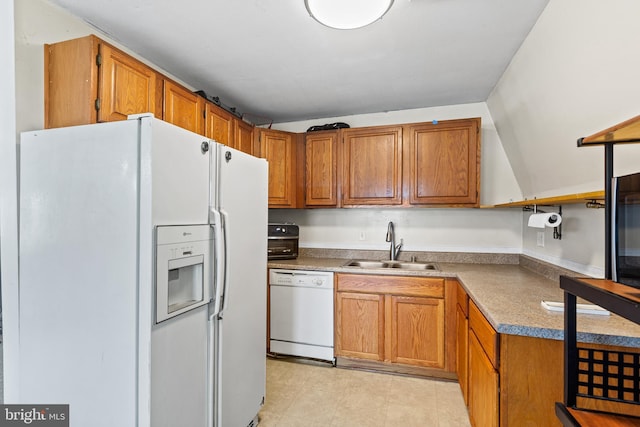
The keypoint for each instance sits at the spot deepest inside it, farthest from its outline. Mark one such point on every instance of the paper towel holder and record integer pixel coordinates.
(557, 231)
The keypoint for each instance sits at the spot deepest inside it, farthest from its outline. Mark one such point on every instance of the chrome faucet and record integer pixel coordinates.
(391, 237)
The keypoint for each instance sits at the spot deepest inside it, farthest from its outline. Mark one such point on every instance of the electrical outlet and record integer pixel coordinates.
(363, 236)
(540, 238)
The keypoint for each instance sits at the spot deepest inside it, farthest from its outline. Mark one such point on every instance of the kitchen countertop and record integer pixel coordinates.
(507, 294)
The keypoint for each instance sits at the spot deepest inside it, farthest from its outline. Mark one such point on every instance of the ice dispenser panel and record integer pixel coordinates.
(182, 269)
(185, 282)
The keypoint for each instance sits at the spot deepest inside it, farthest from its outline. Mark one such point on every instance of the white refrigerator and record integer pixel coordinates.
(142, 276)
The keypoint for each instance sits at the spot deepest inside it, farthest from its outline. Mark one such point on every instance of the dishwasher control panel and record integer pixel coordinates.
(311, 279)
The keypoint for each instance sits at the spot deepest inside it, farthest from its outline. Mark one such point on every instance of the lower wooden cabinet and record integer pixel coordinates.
(483, 386)
(417, 331)
(360, 325)
(483, 374)
(397, 320)
(462, 342)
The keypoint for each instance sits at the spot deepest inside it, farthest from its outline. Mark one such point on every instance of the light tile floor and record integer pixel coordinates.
(301, 394)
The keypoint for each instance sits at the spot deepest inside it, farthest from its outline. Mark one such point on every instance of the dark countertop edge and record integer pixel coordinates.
(558, 335)
(336, 265)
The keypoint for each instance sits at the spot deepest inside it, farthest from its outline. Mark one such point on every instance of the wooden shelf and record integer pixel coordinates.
(557, 200)
(627, 131)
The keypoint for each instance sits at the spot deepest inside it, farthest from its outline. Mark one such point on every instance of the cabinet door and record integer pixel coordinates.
(218, 124)
(372, 166)
(360, 325)
(71, 82)
(321, 157)
(278, 148)
(443, 162)
(127, 86)
(243, 136)
(183, 108)
(417, 331)
(483, 387)
(462, 350)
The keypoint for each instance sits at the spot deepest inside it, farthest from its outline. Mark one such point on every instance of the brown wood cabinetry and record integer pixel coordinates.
(279, 148)
(182, 107)
(227, 129)
(418, 164)
(360, 325)
(243, 136)
(484, 378)
(372, 171)
(462, 340)
(417, 331)
(219, 124)
(512, 380)
(483, 386)
(89, 81)
(321, 169)
(395, 320)
(442, 162)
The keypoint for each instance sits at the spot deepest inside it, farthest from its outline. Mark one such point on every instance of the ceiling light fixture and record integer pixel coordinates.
(347, 14)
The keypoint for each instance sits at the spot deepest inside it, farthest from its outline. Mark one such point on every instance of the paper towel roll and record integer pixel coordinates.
(542, 220)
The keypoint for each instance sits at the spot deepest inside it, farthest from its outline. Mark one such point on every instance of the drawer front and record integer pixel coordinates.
(487, 336)
(463, 299)
(396, 285)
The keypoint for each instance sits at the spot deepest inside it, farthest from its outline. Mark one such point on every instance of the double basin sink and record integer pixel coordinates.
(401, 265)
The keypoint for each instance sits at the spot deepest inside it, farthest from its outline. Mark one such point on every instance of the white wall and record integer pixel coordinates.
(581, 247)
(8, 200)
(574, 75)
(429, 229)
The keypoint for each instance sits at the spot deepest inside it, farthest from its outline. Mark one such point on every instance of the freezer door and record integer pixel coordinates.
(78, 272)
(241, 324)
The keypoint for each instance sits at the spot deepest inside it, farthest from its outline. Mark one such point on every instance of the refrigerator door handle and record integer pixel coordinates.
(225, 299)
(219, 262)
(212, 376)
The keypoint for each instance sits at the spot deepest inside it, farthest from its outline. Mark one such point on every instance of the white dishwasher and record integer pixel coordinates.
(301, 315)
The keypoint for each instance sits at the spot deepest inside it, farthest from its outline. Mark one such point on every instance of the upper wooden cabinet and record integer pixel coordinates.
(225, 128)
(279, 148)
(417, 164)
(89, 81)
(442, 162)
(321, 167)
(182, 107)
(243, 136)
(219, 124)
(372, 171)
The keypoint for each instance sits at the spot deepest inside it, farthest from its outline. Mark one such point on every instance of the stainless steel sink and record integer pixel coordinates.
(413, 266)
(403, 265)
(365, 264)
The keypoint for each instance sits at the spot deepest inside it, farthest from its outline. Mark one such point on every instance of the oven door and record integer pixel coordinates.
(282, 248)
(182, 269)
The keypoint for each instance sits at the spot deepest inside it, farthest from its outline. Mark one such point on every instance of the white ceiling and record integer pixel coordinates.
(273, 62)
